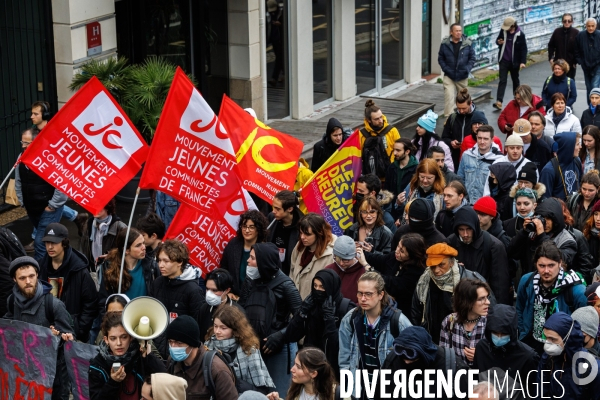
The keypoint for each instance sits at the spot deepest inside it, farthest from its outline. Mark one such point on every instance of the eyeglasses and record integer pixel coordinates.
(567, 21)
(250, 228)
(482, 300)
(25, 143)
(368, 295)
(365, 212)
(342, 260)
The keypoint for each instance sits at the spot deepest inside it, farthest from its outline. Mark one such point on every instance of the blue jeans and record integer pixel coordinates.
(592, 80)
(166, 208)
(40, 223)
(279, 367)
(68, 213)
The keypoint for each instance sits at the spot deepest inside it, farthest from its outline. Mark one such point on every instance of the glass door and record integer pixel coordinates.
(379, 45)
(322, 51)
(278, 90)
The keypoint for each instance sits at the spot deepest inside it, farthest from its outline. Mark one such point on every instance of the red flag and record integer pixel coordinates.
(206, 235)
(192, 157)
(268, 159)
(89, 150)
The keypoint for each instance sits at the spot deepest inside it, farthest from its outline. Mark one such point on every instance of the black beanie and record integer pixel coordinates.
(421, 209)
(478, 117)
(184, 329)
(528, 173)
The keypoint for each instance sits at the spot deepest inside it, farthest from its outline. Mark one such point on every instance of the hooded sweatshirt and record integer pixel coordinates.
(168, 387)
(570, 166)
(515, 357)
(287, 296)
(430, 356)
(493, 266)
(326, 147)
(506, 175)
(565, 387)
(74, 286)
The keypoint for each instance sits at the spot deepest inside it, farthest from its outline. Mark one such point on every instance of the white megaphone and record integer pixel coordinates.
(145, 318)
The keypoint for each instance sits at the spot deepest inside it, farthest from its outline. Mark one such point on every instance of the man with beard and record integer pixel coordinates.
(400, 171)
(31, 301)
(346, 265)
(370, 185)
(546, 291)
(415, 350)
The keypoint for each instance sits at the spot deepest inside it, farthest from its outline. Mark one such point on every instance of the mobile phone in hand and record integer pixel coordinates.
(116, 366)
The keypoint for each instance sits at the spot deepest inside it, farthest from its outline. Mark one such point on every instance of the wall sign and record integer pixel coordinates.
(94, 38)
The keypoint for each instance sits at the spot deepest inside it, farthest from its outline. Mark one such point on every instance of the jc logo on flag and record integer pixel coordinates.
(106, 131)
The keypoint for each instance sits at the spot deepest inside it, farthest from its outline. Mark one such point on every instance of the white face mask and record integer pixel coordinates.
(553, 349)
(252, 273)
(213, 299)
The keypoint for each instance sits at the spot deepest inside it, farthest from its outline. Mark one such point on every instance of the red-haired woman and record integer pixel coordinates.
(427, 183)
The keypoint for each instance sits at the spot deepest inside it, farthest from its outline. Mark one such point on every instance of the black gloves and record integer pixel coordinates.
(328, 309)
(307, 306)
(274, 342)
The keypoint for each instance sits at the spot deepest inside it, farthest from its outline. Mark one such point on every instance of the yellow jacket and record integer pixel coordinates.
(390, 137)
(303, 175)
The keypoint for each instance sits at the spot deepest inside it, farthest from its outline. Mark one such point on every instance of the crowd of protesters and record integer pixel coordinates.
(464, 252)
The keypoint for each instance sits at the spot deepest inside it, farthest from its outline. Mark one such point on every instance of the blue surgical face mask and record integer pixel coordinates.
(178, 353)
(526, 216)
(500, 341)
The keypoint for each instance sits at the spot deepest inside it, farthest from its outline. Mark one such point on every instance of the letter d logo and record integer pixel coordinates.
(583, 367)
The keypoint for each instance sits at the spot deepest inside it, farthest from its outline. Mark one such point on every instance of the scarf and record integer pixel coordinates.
(130, 355)
(249, 368)
(564, 280)
(556, 118)
(445, 282)
(22, 302)
(99, 230)
(592, 109)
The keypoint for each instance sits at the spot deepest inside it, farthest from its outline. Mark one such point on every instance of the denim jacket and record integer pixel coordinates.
(474, 170)
(350, 348)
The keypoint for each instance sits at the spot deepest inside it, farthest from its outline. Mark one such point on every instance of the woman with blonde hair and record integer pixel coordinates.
(524, 103)
(427, 183)
(233, 335)
(369, 231)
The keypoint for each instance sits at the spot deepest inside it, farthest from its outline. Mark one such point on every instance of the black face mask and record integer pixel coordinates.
(359, 197)
(491, 183)
(318, 296)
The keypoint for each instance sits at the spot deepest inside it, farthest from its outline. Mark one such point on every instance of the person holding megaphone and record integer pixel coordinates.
(117, 371)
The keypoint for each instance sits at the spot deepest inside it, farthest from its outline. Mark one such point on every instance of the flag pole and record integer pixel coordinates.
(137, 193)
(7, 176)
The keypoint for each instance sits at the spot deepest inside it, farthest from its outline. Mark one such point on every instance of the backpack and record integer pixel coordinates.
(568, 86)
(558, 172)
(48, 304)
(375, 159)
(394, 330)
(261, 306)
(11, 244)
(240, 385)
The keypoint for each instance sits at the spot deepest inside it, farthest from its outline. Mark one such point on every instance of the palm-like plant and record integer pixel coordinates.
(141, 90)
(115, 75)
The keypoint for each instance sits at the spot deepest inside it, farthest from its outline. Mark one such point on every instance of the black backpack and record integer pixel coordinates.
(375, 159)
(394, 330)
(261, 306)
(11, 244)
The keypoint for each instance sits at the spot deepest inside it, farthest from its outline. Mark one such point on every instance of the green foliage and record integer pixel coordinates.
(141, 89)
(115, 75)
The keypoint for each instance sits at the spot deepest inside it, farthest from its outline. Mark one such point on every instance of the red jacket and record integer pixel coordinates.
(512, 110)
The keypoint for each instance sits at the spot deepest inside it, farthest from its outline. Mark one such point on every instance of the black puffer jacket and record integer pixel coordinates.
(516, 357)
(583, 262)
(181, 296)
(288, 298)
(78, 289)
(6, 282)
(522, 248)
(325, 147)
(494, 266)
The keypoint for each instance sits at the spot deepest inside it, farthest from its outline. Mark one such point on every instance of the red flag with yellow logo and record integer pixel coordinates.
(267, 159)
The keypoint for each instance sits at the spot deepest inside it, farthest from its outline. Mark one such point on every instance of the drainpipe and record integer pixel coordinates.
(263, 54)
